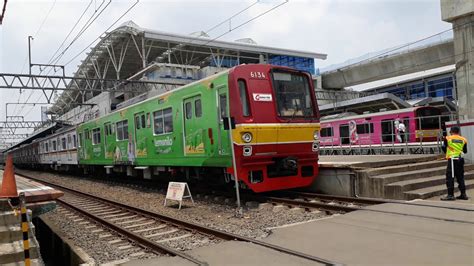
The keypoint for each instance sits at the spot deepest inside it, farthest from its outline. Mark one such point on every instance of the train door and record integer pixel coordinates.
(223, 111)
(387, 130)
(193, 132)
(140, 135)
(344, 134)
(109, 140)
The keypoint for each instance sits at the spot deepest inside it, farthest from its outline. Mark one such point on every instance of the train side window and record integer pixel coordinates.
(69, 140)
(80, 140)
(95, 136)
(327, 132)
(54, 145)
(46, 147)
(244, 97)
(87, 134)
(223, 105)
(74, 141)
(163, 121)
(365, 128)
(122, 130)
(168, 120)
(148, 121)
(158, 122)
(197, 108)
(63, 144)
(137, 122)
(189, 110)
(142, 121)
(107, 129)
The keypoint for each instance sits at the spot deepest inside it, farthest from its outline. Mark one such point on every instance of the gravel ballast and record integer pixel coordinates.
(215, 212)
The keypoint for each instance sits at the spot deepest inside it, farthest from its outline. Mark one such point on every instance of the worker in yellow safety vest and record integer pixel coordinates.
(455, 146)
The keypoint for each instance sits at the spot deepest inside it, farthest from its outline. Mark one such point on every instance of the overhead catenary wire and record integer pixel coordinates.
(231, 17)
(82, 30)
(115, 22)
(248, 21)
(40, 27)
(70, 32)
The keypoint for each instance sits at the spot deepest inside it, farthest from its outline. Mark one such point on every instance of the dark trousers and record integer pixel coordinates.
(458, 173)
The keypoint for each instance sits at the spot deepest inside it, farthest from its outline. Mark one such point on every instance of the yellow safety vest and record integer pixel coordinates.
(455, 146)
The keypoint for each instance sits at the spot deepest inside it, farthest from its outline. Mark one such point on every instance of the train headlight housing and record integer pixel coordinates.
(247, 137)
(315, 135)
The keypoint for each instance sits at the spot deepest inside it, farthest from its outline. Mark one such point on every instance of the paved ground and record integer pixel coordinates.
(389, 234)
(470, 194)
(441, 237)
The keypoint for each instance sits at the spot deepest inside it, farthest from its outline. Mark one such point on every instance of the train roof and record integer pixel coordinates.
(351, 116)
(162, 94)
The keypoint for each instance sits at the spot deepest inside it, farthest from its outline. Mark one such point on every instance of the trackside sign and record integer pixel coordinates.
(178, 191)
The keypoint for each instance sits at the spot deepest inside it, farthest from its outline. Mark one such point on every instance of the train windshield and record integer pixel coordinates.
(429, 118)
(293, 94)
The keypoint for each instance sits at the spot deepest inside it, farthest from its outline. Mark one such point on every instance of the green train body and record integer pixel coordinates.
(158, 134)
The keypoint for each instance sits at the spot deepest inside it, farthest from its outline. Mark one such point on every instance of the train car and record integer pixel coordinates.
(185, 132)
(26, 155)
(58, 151)
(423, 124)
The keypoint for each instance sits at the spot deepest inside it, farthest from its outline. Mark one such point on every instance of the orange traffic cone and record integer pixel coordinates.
(8, 183)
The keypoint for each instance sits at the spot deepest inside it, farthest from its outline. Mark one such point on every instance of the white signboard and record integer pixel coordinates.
(262, 97)
(178, 191)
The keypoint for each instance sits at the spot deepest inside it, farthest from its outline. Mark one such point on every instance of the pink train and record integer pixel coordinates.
(421, 124)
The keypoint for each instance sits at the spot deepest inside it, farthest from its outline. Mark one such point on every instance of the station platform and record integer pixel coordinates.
(371, 161)
(34, 191)
(427, 233)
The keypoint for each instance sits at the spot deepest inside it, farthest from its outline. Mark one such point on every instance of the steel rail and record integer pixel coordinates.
(314, 205)
(153, 246)
(369, 201)
(193, 226)
(360, 200)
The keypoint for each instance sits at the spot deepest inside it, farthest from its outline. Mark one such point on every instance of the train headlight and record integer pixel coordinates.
(247, 137)
(315, 135)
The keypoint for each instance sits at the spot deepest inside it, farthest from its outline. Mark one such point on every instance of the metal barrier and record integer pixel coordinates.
(392, 141)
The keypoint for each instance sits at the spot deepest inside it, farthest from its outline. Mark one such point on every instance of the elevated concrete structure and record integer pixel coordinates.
(423, 58)
(461, 14)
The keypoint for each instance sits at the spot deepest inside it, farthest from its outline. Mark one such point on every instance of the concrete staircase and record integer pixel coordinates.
(11, 240)
(419, 180)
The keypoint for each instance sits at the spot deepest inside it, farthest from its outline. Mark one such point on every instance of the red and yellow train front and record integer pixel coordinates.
(277, 122)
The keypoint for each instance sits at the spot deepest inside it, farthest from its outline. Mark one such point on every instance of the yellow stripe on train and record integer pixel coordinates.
(275, 133)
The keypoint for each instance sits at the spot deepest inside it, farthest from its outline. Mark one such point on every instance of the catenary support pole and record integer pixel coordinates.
(234, 166)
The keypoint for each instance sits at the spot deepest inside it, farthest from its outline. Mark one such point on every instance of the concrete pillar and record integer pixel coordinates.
(461, 14)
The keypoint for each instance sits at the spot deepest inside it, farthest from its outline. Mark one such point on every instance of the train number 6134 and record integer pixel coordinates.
(258, 75)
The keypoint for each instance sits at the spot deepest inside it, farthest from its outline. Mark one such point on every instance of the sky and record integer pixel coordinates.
(342, 29)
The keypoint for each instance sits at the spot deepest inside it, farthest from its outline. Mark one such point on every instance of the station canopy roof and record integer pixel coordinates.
(372, 103)
(129, 48)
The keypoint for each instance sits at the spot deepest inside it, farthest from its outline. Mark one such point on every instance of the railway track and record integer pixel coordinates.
(329, 203)
(123, 220)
